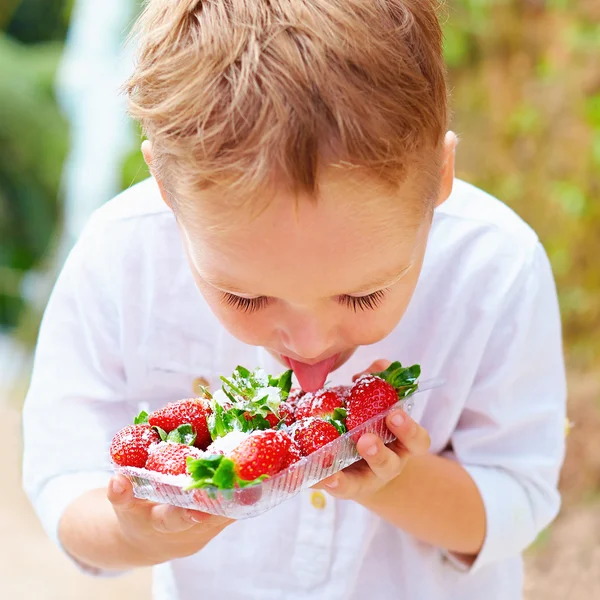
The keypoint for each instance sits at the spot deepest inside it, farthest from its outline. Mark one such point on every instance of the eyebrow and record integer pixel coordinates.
(382, 282)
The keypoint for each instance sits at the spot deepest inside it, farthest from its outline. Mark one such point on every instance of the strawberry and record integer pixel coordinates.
(273, 420)
(343, 391)
(313, 433)
(192, 410)
(129, 447)
(319, 404)
(170, 458)
(294, 397)
(294, 455)
(286, 414)
(261, 455)
(373, 394)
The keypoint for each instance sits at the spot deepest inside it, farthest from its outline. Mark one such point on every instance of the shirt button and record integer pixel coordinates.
(198, 384)
(568, 427)
(317, 499)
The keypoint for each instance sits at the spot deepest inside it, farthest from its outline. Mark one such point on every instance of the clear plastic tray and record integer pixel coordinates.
(255, 500)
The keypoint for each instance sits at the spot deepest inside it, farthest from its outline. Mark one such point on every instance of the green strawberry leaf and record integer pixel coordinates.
(161, 432)
(404, 379)
(341, 427)
(205, 392)
(224, 477)
(258, 422)
(141, 418)
(184, 434)
(340, 414)
(216, 471)
(243, 372)
(231, 386)
(216, 425)
(285, 382)
(243, 483)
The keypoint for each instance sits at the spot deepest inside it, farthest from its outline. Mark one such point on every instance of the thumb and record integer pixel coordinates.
(379, 365)
(120, 493)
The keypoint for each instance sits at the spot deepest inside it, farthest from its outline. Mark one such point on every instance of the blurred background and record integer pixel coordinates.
(525, 81)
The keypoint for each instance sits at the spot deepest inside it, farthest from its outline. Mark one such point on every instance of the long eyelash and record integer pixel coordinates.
(370, 302)
(247, 305)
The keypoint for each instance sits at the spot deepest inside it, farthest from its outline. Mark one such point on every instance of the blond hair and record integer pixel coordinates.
(237, 92)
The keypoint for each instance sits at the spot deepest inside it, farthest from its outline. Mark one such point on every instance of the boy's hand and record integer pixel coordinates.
(381, 464)
(160, 532)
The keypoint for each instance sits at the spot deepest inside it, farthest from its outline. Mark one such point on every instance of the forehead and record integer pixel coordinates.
(303, 248)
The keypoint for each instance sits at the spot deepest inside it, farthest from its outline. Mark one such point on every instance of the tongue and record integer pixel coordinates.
(312, 377)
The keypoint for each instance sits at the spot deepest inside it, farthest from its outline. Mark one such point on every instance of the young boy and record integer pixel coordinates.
(303, 212)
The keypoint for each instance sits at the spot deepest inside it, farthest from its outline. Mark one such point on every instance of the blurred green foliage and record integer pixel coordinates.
(33, 144)
(525, 81)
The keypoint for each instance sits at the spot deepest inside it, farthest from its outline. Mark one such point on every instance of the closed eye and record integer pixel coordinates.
(356, 303)
(246, 305)
(368, 302)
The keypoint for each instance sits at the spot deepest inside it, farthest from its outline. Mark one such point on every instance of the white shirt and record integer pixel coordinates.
(126, 325)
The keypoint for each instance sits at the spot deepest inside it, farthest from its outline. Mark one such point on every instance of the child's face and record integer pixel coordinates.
(311, 281)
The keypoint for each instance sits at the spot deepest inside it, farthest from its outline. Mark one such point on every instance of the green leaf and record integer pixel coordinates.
(184, 434)
(341, 427)
(230, 385)
(243, 483)
(340, 414)
(215, 422)
(285, 382)
(224, 477)
(200, 468)
(141, 418)
(243, 372)
(258, 422)
(400, 376)
(162, 433)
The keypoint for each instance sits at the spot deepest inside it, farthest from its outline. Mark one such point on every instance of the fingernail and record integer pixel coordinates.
(372, 451)
(398, 419)
(333, 483)
(195, 517)
(117, 487)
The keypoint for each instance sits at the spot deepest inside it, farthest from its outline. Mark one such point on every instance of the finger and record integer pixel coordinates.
(352, 482)
(120, 493)
(408, 432)
(171, 519)
(376, 367)
(384, 462)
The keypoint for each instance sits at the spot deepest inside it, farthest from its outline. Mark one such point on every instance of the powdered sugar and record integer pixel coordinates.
(227, 443)
(220, 397)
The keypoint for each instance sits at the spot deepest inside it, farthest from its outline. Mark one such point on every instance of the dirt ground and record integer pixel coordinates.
(563, 565)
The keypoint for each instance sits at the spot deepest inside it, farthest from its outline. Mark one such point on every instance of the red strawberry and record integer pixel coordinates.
(286, 414)
(294, 397)
(313, 433)
(342, 390)
(192, 410)
(320, 404)
(273, 420)
(370, 396)
(294, 455)
(263, 453)
(170, 458)
(129, 447)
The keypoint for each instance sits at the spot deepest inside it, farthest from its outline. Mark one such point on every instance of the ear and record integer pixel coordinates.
(147, 153)
(447, 181)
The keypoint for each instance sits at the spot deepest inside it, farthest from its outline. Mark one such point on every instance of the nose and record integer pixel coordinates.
(309, 336)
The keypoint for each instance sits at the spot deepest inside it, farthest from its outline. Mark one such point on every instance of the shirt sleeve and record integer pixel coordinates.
(510, 437)
(76, 400)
